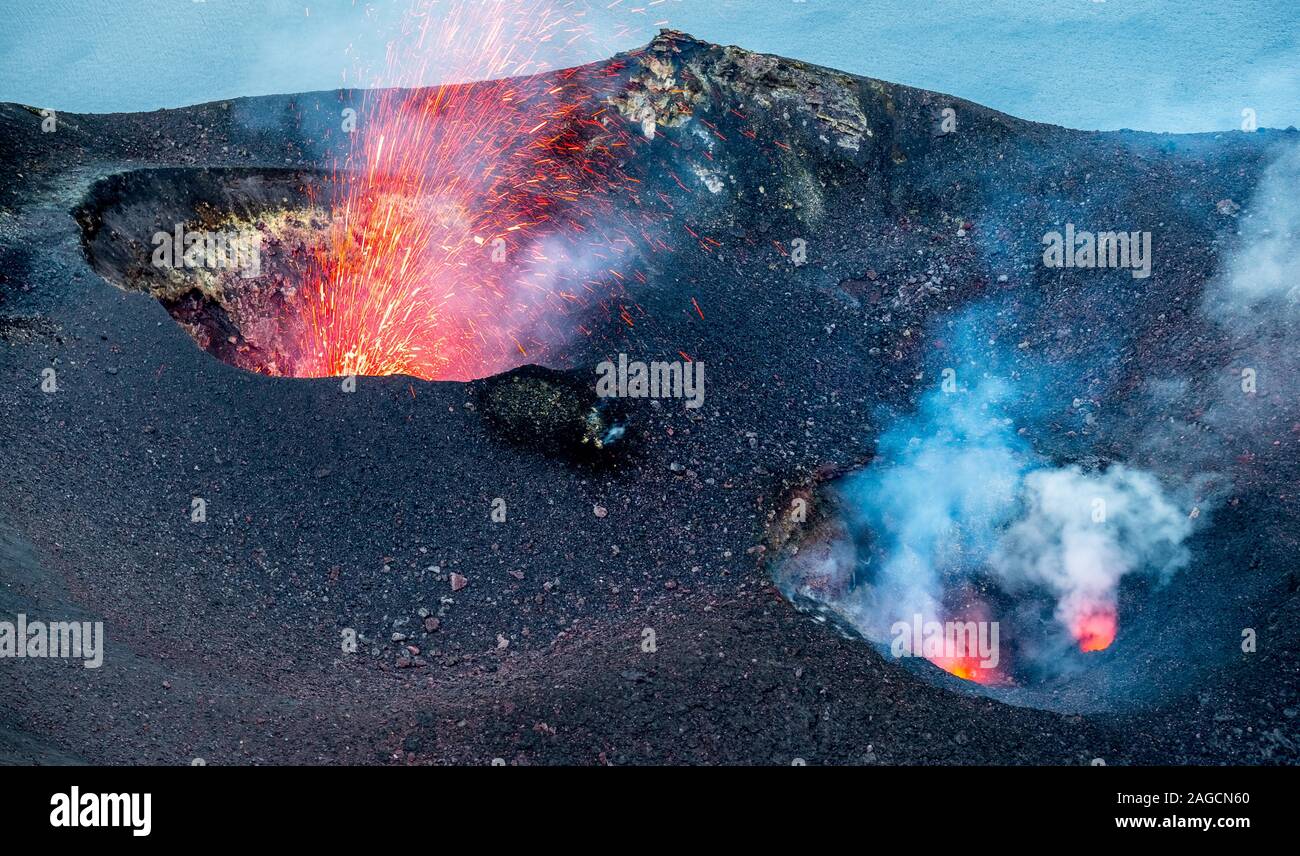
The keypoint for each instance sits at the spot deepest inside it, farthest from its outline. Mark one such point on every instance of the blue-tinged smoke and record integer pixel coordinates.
(944, 484)
(958, 516)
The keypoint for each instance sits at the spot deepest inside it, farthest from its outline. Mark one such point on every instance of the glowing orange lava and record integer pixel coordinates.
(965, 644)
(468, 220)
(968, 668)
(1095, 628)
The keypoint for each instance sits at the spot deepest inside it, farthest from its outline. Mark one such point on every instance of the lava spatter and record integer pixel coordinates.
(469, 219)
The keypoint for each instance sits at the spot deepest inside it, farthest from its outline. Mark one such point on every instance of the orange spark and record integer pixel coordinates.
(455, 228)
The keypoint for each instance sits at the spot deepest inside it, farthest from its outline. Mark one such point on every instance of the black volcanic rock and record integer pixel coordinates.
(742, 155)
(551, 411)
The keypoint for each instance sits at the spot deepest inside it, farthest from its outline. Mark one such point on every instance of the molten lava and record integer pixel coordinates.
(1095, 628)
(968, 668)
(468, 221)
(967, 644)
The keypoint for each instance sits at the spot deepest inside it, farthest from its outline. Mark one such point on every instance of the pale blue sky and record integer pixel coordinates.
(1176, 65)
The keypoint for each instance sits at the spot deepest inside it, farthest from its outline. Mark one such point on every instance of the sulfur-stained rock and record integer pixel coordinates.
(552, 411)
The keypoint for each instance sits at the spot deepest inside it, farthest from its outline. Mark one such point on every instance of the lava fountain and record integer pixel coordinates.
(468, 220)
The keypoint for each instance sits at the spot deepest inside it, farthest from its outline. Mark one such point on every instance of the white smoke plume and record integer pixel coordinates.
(956, 500)
(958, 514)
(1263, 275)
(1255, 303)
(1081, 533)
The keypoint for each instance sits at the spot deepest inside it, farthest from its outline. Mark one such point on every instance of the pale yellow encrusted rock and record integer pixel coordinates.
(665, 89)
